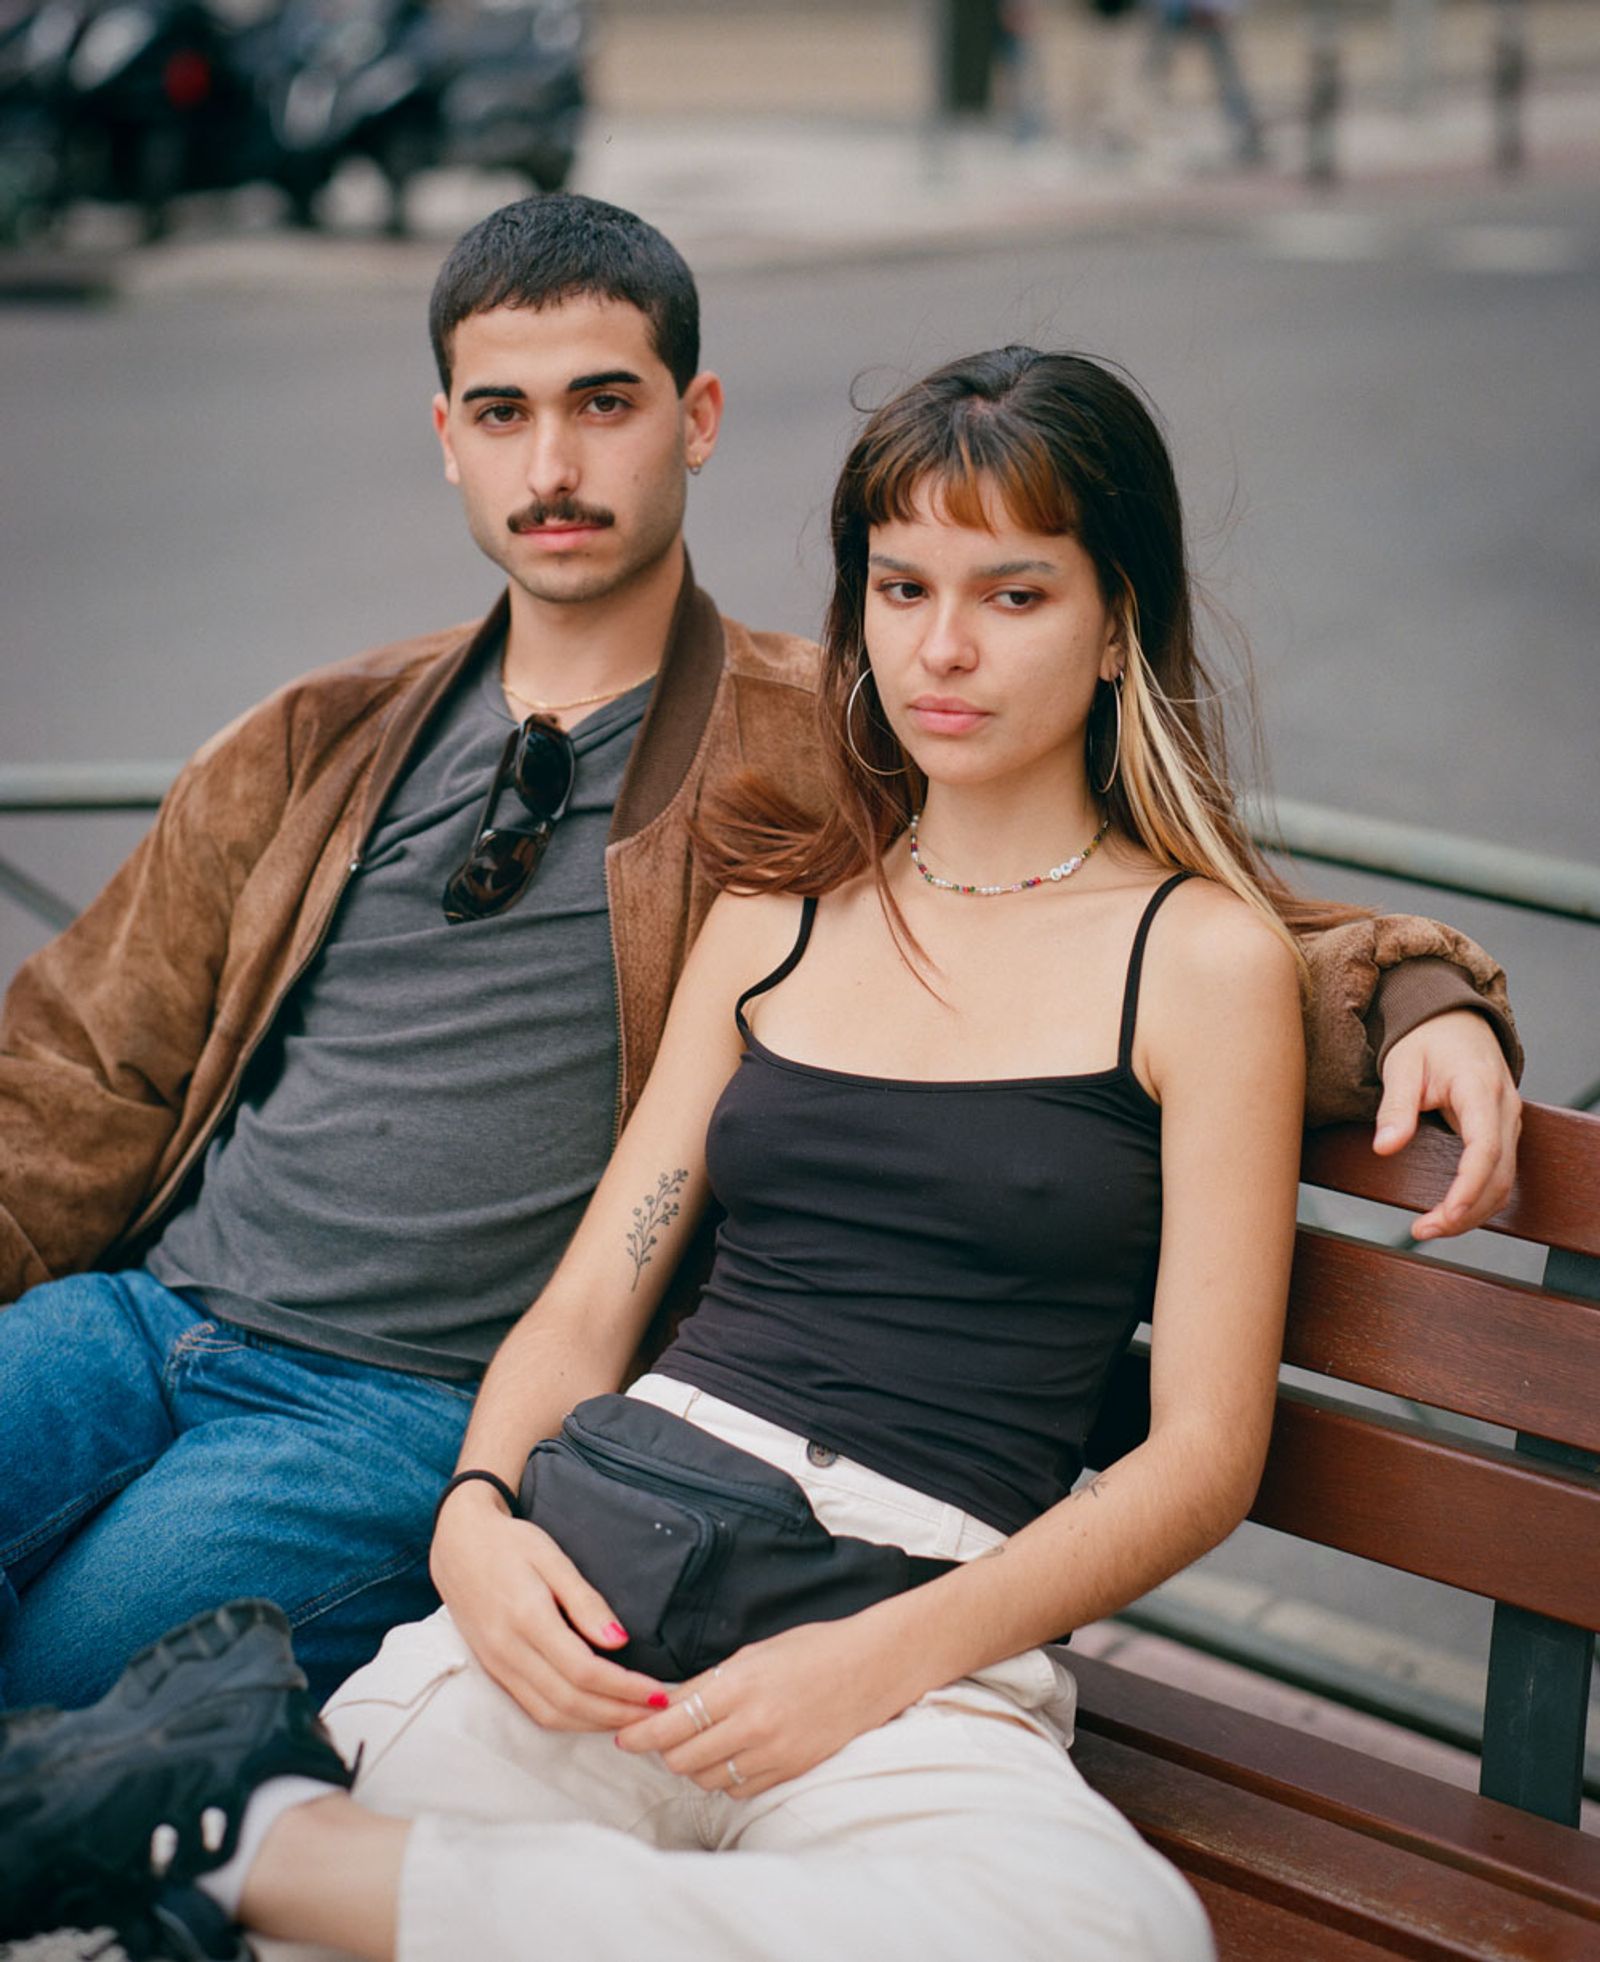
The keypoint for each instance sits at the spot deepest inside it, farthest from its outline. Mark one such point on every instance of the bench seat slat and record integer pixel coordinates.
(1249, 1930)
(1334, 1781)
(1342, 1879)
(1475, 1516)
(1554, 1198)
(1442, 1335)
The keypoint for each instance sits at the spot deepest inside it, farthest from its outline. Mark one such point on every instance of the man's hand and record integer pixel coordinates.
(529, 1617)
(1453, 1064)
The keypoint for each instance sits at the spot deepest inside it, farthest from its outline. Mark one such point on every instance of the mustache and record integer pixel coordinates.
(561, 511)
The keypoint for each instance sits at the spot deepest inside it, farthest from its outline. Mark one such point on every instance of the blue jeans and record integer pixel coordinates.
(154, 1463)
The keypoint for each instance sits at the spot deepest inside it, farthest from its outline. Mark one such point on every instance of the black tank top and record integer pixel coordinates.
(932, 1278)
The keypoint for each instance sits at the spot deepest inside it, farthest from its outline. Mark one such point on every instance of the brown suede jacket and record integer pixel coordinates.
(122, 1043)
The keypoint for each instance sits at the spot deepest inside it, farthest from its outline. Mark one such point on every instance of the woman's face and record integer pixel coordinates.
(985, 644)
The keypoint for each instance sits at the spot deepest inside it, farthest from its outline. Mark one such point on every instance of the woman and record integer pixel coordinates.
(997, 1060)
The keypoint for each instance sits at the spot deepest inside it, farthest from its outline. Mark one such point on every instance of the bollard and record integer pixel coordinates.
(1413, 23)
(1324, 93)
(966, 31)
(1508, 84)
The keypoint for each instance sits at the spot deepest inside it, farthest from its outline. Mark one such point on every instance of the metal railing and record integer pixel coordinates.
(1564, 888)
(70, 789)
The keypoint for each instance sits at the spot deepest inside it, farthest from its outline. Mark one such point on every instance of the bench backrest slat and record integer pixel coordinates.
(1555, 1198)
(1441, 1335)
(1472, 1515)
(1475, 1516)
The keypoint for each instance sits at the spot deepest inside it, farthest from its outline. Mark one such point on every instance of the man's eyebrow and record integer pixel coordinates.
(607, 378)
(510, 392)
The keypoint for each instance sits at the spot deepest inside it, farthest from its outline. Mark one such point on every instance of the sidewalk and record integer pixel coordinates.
(800, 138)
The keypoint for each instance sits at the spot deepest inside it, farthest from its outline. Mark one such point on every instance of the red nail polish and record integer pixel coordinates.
(616, 1738)
(659, 1700)
(615, 1632)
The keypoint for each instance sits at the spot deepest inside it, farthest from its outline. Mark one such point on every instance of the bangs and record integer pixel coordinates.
(964, 464)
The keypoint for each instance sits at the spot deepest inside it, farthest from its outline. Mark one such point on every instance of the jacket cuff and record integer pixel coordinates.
(1414, 992)
(1353, 966)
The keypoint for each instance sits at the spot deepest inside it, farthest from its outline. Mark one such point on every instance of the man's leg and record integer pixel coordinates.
(86, 1368)
(293, 1477)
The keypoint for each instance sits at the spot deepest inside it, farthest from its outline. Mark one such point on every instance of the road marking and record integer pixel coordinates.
(1520, 249)
(1325, 237)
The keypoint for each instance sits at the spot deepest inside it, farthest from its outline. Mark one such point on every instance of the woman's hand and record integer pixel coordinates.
(529, 1617)
(778, 1707)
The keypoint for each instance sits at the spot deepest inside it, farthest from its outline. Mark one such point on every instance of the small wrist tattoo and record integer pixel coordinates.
(656, 1210)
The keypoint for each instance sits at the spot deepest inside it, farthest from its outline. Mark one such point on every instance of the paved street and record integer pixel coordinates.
(1384, 412)
(1384, 409)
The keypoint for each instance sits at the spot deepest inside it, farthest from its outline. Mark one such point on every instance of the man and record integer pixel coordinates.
(307, 1103)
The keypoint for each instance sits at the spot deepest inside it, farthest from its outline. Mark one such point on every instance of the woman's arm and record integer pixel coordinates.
(1219, 1040)
(511, 1591)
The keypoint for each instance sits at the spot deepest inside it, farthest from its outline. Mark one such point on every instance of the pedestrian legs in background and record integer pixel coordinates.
(1210, 24)
(1019, 68)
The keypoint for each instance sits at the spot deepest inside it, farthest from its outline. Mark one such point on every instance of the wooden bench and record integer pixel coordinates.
(1302, 1848)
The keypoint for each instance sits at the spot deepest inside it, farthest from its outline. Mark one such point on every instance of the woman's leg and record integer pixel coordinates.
(957, 1830)
(329, 1873)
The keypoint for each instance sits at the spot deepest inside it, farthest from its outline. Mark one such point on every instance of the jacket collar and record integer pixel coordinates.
(680, 702)
(691, 668)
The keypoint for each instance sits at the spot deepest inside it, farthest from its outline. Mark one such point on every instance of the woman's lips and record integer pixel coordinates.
(946, 715)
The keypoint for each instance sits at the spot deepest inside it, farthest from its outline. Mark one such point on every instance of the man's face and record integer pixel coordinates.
(569, 440)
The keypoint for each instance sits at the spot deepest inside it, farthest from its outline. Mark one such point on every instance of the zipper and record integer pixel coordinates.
(711, 1534)
(605, 1454)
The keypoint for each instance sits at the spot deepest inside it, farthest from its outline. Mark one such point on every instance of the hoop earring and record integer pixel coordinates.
(1104, 789)
(850, 741)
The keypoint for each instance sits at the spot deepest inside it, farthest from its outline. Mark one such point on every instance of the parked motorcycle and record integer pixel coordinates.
(125, 101)
(496, 87)
(140, 101)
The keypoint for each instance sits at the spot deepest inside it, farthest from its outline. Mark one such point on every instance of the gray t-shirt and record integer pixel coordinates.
(415, 1141)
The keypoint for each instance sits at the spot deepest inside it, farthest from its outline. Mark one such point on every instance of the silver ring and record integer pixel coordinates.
(734, 1775)
(699, 1715)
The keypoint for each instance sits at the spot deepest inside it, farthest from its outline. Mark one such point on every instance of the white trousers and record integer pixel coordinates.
(961, 1830)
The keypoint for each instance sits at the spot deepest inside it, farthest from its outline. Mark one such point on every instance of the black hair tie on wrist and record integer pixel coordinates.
(465, 1477)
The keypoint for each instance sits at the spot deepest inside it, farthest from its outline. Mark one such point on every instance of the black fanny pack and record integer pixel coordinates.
(697, 1546)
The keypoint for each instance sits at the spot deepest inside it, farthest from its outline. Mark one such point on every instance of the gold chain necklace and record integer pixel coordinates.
(557, 708)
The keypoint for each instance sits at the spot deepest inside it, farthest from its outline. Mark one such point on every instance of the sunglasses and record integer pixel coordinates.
(539, 763)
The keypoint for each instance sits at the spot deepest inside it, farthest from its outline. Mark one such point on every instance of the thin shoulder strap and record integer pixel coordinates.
(790, 961)
(1130, 994)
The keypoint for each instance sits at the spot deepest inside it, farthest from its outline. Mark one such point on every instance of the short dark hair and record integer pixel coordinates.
(543, 250)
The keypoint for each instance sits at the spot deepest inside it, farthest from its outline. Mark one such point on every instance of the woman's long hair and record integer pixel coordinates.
(1063, 445)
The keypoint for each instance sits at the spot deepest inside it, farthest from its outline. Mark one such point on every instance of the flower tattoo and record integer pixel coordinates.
(656, 1210)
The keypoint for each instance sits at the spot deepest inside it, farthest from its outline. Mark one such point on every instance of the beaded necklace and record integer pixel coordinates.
(1055, 875)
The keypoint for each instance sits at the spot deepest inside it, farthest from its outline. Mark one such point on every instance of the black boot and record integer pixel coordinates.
(107, 1813)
